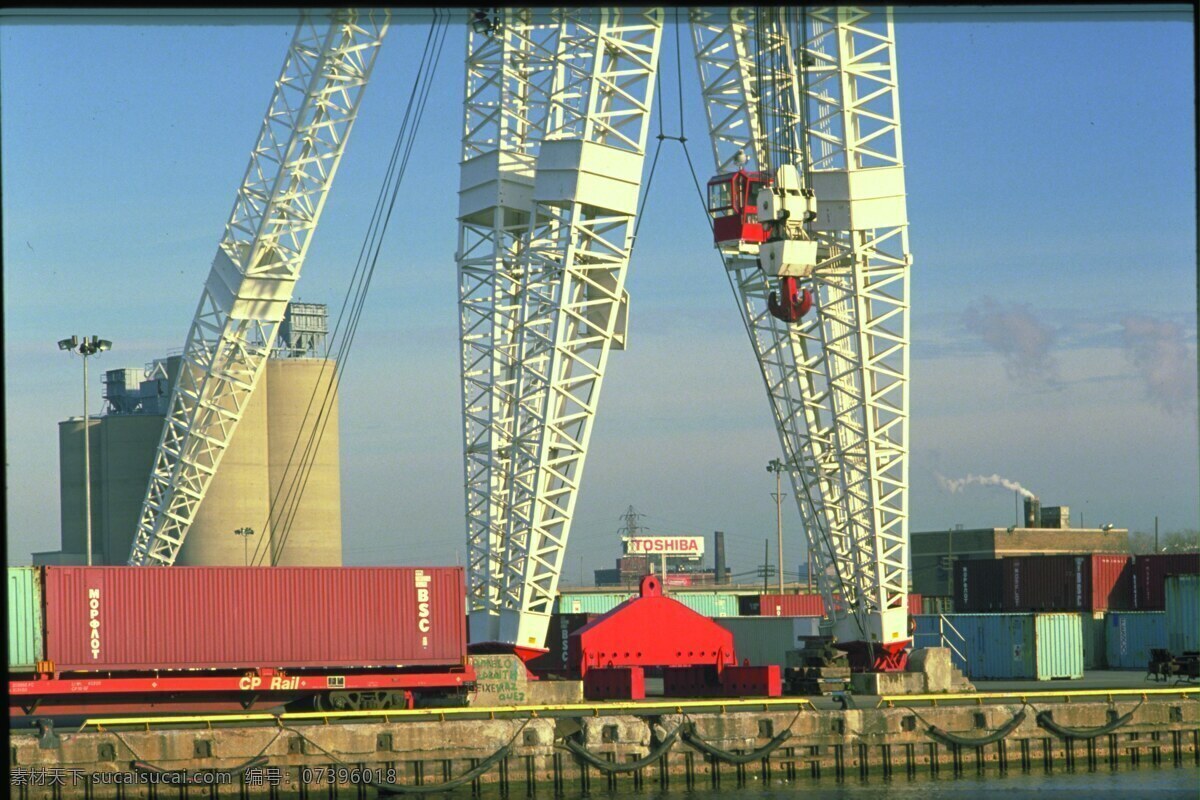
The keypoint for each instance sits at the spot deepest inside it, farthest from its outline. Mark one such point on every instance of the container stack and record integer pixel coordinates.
(1040, 617)
(1009, 646)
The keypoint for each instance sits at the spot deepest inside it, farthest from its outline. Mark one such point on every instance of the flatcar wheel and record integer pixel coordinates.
(359, 701)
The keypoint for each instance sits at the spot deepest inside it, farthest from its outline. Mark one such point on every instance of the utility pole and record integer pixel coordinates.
(777, 467)
(245, 533)
(1156, 533)
(88, 346)
(950, 562)
(766, 563)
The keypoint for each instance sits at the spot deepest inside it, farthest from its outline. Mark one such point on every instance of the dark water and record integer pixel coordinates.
(1145, 782)
(1130, 785)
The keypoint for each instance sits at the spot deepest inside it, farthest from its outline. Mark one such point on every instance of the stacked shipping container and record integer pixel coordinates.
(1149, 572)
(1067, 583)
(1182, 595)
(1131, 635)
(555, 662)
(978, 586)
(1010, 646)
(766, 640)
(790, 605)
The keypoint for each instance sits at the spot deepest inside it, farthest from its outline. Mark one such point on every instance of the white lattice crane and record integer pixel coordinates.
(257, 264)
(808, 211)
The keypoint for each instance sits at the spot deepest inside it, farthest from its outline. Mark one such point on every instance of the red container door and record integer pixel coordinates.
(138, 618)
(790, 605)
(1112, 583)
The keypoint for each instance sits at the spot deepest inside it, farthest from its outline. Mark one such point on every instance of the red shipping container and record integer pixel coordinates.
(141, 618)
(978, 586)
(914, 603)
(1068, 583)
(790, 605)
(1149, 572)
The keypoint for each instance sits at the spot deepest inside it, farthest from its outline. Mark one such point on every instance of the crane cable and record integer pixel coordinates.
(371, 245)
(359, 285)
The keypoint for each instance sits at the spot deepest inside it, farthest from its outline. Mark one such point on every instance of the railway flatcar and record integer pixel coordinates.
(86, 640)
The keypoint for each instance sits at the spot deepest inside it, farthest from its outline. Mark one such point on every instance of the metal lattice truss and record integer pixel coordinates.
(291, 168)
(838, 381)
(854, 142)
(791, 358)
(509, 77)
(544, 298)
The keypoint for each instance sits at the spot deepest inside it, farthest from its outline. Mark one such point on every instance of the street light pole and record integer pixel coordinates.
(88, 346)
(245, 533)
(776, 466)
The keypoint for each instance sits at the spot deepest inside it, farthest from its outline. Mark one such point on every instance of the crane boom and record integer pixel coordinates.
(509, 79)
(838, 381)
(791, 358)
(857, 164)
(573, 303)
(258, 261)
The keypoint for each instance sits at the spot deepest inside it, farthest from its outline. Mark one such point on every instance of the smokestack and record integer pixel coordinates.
(1033, 512)
(719, 555)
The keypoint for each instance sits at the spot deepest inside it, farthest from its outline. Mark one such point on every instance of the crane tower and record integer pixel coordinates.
(808, 210)
(258, 261)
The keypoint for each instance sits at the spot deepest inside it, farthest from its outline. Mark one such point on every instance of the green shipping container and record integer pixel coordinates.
(590, 602)
(1095, 648)
(710, 604)
(24, 619)
(1059, 646)
(1182, 594)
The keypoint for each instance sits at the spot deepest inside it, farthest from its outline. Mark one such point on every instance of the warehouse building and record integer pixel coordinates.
(256, 484)
(1046, 532)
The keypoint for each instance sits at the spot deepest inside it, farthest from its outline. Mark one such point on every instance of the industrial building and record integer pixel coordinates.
(1046, 531)
(257, 484)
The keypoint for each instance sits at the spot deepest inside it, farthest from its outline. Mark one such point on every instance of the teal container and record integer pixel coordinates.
(1132, 635)
(590, 602)
(710, 604)
(1182, 594)
(1094, 627)
(1058, 646)
(25, 639)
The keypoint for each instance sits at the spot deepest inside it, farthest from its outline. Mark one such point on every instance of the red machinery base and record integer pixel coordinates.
(526, 654)
(875, 657)
(629, 683)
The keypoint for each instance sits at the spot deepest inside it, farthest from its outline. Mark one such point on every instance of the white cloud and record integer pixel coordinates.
(1159, 351)
(1018, 335)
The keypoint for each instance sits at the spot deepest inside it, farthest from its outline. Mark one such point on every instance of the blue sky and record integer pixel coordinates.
(1051, 177)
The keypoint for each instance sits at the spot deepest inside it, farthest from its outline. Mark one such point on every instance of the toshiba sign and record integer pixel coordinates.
(665, 545)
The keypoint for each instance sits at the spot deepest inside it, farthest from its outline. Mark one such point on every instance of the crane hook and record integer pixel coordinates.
(796, 303)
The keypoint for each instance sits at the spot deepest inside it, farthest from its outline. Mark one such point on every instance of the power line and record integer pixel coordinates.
(359, 285)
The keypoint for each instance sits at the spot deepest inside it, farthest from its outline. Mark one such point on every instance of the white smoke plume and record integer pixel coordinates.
(1158, 351)
(955, 485)
(1021, 338)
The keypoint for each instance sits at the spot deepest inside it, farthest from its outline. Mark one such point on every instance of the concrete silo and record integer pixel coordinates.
(307, 526)
(261, 466)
